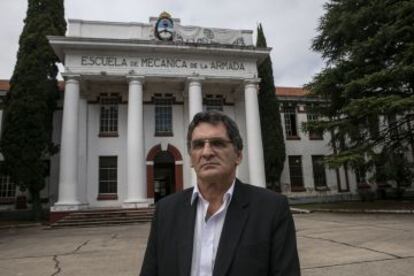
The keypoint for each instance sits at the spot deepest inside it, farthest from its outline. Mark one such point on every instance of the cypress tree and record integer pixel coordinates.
(272, 132)
(27, 125)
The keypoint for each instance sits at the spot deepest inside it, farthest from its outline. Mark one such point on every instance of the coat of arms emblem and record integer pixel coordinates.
(164, 27)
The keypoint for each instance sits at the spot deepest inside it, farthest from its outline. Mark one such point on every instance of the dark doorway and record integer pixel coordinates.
(164, 175)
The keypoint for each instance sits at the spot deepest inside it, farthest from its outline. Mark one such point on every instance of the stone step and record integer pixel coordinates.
(95, 223)
(99, 218)
(77, 215)
(105, 216)
(99, 210)
(114, 211)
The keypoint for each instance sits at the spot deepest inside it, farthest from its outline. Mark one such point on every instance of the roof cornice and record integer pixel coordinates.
(62, 44)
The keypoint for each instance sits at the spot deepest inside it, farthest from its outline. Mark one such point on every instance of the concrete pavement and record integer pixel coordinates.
(356, 244)
(329, 244)
(112, 250)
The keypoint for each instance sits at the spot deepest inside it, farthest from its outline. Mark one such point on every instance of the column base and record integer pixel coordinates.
(137, 203)
(61, 209)
(68, 206)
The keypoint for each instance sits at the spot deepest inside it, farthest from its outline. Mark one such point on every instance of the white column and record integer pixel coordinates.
(195, 96)
(136, 175)
(195, 105)
(254, 134)
(68, 176)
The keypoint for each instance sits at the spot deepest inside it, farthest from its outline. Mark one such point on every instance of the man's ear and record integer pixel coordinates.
(239, 157)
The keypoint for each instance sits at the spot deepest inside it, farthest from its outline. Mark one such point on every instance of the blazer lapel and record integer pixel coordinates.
(232, 229)
(186, 234)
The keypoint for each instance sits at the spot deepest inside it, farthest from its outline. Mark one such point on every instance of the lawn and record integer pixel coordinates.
(362, 205)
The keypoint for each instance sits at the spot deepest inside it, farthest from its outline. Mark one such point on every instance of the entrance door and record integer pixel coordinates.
(164, 175)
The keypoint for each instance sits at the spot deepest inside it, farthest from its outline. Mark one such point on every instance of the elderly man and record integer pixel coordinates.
(221, 226)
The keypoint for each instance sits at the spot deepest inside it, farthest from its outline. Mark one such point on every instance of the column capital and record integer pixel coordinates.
(70, 76)
(195, 79)
(253, 81)
(131, 78)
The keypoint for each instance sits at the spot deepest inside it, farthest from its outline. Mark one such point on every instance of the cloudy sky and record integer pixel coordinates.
(289, 26)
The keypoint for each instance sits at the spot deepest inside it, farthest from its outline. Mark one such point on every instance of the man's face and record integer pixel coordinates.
(213, 156)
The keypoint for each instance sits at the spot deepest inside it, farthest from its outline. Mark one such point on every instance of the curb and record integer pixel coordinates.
(23, 225)
(299, 211)
(364, 211)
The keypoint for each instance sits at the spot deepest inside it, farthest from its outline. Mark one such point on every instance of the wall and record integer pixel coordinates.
(307, 147)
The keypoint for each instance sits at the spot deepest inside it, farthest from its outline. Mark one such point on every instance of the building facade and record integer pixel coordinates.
(128, 95)
(305, 177)
(131, 90)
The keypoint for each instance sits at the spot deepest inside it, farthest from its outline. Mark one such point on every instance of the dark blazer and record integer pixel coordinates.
(258, 236)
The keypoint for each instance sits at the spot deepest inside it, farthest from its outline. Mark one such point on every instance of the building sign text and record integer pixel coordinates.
(160, 62)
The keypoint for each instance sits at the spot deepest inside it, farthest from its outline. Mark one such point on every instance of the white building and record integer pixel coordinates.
(130, 91)
(305, 177)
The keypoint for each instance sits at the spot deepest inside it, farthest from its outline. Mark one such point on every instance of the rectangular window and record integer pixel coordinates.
(7, 187)
(360, 175)
(108, 174)
(314, 135)
(410, 121)
(163, 116)
(290, 122)
(373, 125)
(296, 175)
(319, 175)
(393, 126)
(109, 116)
(213, 103)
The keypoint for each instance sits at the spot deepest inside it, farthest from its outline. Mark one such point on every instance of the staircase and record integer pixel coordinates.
(98, 217)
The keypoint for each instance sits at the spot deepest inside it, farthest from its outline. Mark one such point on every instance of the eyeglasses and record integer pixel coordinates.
(214, 143)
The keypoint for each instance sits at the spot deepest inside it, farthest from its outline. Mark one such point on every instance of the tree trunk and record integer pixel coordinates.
(36, 205)
(274, 186)
(400, 190)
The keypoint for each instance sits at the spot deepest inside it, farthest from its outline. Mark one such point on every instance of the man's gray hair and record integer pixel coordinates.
(215, 118)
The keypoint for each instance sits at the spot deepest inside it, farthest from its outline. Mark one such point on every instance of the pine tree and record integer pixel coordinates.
(272, 132)
(27, 126)
(368, 80)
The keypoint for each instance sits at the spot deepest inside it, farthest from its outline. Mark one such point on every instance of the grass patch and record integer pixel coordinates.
(20, 217)
(361, 205)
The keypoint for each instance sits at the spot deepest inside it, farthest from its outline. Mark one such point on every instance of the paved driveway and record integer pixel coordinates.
(329, 244)
(356, 244)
